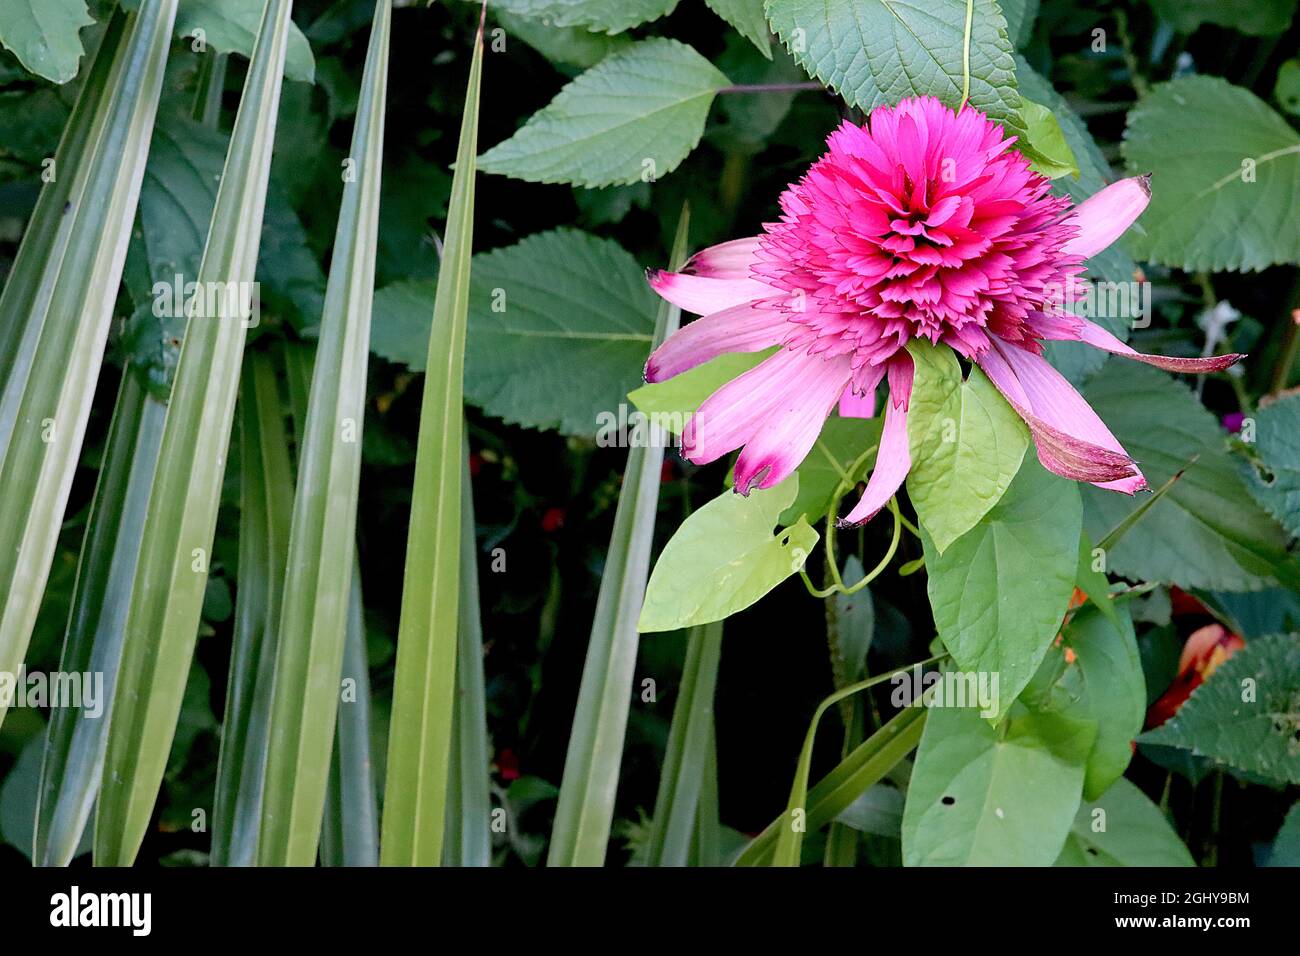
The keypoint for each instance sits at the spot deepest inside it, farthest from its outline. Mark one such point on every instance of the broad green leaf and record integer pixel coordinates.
(864, 767)
(469, 805)
(1225, 186)
(982, 795)
(1103, 683)
(672, 403)
(319, 570)
(424, 681)
(67, 322)
(532, 322)
(966, 444)
(987, 618)
(843, 444)
(1045, 145)
(1122, 828)
(632, 117)
(167, 596)
(748, 19)
(1275, 481)
(585, 811)
(1093, 582)
(1257, 17)
(45, 35)
(605, 16)
(231, 26)
(350, 830)
(725, 557)
(265, 511)
(877, 52)
(1206, 531)
(556, 304)
(1244, 716)
(75, 745)
(571, 46)
(687, 752)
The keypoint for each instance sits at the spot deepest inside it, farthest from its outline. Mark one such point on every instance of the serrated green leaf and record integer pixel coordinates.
(66, 323)
(45, 35)
(167, 596)
(966, 444)
(632, 117)
(607, 16)
(536, 316)
(988, 620)
(531, 323)
(1122, 828)
(1275, 482)
(986, 796)
(749, 20)
(725, 557)
(424, 682)
(876, 52)
(1245, 716)
(1225, 186)
(1205, 532)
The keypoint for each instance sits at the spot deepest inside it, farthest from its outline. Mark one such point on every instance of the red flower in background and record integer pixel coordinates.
(1205, 650)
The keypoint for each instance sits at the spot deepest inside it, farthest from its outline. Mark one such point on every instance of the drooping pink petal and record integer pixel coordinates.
(704, 296)
(853, 405)
(1098, 337)
(727, 260)
(785, 437)
(751, 327)
(730, 416)
(1103, 217)
(894, 457)
(1071, 440)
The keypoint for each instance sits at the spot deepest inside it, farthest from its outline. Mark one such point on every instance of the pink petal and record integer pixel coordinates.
(704, 296)
(742, 328)
(1103, 217)
(727, 260)
(1098, 337)
(784, 438)
(894, 458)
(853, 405)
(732, 414)
(1071, 440)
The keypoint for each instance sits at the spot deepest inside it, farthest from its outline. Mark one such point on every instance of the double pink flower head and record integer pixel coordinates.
(924, 223)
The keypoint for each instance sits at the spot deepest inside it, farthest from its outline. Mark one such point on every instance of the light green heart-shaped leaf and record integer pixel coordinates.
(725, 557)
(966, 442)
(1122, 828)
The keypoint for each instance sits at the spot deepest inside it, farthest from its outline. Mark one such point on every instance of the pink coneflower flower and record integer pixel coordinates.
(921, 224)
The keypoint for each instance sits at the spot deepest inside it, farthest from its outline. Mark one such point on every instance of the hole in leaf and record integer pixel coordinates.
(948, 801)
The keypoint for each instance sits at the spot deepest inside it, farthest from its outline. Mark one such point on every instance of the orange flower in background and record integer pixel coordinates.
(1205, 650)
